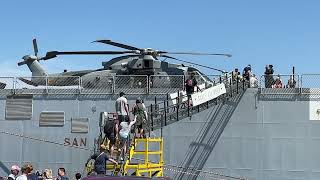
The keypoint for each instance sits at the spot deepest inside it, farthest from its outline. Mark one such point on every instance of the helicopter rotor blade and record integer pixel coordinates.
(197, 53)
(118, 45)
(53, 54)
(116, 59)
(200, 65)
(35, 46)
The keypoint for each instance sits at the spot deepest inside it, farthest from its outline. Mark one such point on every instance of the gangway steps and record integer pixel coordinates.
(198, 154)
(145, 167)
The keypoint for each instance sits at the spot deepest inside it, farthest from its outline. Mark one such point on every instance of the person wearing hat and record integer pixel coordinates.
(100, 161)
(140, 114)
(14, 172)
(277, 83)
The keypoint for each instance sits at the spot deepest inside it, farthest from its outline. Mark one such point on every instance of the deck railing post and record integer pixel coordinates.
(230, 87)
(177, 105)
(189, 105)
(243, 83)
(237, 84)
(167, 102)
(151, 116)
(165, 112)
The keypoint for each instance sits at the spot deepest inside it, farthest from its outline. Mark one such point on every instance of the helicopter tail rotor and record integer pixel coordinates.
(28, 58)
(35, 46)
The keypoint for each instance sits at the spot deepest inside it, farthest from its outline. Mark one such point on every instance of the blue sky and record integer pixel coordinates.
(283, 33)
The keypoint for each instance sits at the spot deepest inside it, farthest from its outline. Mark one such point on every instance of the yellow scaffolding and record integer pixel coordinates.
(146, 167)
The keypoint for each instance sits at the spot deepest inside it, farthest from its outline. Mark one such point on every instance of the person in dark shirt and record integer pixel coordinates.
(101, 161)
(246, 72)
(190, 83)
(62, 174)
(268, 75)
(31, 175)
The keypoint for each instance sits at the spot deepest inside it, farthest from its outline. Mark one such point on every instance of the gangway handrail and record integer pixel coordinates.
(183, 96)
(233, 86)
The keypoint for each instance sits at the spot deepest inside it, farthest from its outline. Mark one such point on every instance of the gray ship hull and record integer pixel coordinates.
(266, 137)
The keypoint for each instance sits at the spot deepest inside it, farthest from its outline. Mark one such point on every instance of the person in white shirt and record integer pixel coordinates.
(125, 128)
(122, 108)
(253, 81)
(25, 171)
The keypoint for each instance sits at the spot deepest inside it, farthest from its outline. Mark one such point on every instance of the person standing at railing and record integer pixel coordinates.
(190, 84)
(291, 82)
(236, 75)
(268, 75)
(246, 72)
(253, 81)
(277, 83)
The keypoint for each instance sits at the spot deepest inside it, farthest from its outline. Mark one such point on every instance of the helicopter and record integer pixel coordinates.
(134, 61)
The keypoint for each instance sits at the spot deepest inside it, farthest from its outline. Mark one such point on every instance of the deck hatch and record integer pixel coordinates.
(79, 125)
(19, 108)
(51, 118)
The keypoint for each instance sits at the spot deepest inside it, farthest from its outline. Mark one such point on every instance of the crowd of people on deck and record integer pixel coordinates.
(271, 80)
(26, 172)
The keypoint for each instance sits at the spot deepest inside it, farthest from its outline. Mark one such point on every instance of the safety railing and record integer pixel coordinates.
(7, 84)
(280, 84)
(155, 84)
(163, 84)
(171, 110)
(310, 84)
(47, 85)
(97, 85)
(133, 84)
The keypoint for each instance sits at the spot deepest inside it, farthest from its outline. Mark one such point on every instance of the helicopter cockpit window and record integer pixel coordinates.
(148, 64)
